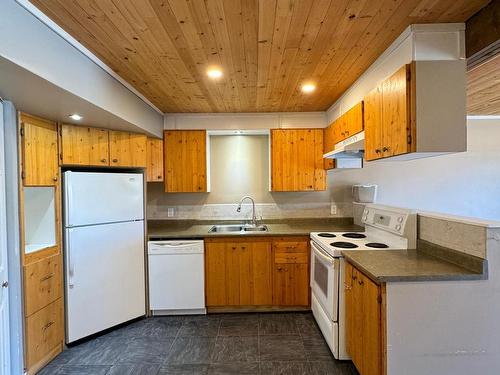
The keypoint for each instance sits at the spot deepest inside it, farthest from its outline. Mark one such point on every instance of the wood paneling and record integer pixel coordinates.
(297, 160)
(42, 283)
(82, 145)
(365, 322)
(483, 88)
(266, 48)
(483, 29)
(185, 161)
(44, 333)
(39, 157)
(155, 160)
(127, 149)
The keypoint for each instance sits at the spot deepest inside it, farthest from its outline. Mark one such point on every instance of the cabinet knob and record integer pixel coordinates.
(361, 282)
(346, 132)
(115, 160)
(377, 150)
(55, 178)
(384, 149)
(5, 284)
(103, 160)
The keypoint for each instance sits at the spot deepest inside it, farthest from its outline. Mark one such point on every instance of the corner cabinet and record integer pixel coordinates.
(297, 160)
(40, 207)
(365, 322)
(257, 273)
(185, 161)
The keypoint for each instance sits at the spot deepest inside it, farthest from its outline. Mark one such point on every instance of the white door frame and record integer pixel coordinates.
(5, 368)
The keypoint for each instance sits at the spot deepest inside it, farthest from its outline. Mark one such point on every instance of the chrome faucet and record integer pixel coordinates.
(254, 217)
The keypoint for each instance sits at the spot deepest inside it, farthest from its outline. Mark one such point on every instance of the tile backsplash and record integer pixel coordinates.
(264, 210)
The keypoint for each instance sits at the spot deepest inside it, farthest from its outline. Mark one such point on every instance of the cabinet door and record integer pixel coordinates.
(353, 123)
(40, 166)
(82, 145)
(297, 160)
(155, 160)
(328, 145)
(350, 312)
(215, 274)
(395, 113)
(291, 273)
(373, 124)
(185, 161)
(127, 149)
(255, 277)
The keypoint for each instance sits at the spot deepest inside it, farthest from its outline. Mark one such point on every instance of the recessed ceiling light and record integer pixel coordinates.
(308, 87)
(75, 116)
(214, 73)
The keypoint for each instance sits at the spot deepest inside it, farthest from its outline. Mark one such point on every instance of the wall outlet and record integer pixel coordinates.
(333, 209)
(171, 212)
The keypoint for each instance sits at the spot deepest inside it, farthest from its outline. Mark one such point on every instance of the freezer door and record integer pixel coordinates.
(95, 198)
(104, 277)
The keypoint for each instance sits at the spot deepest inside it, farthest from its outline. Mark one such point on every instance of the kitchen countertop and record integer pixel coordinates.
(383, 266)
(176, 229)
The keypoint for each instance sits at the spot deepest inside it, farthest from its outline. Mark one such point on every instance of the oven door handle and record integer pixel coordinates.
(328, 259)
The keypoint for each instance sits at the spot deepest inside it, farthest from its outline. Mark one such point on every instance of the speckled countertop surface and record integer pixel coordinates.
(384, 266)
(290, 227)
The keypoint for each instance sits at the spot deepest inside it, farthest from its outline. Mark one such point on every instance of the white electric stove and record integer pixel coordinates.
(386, 228)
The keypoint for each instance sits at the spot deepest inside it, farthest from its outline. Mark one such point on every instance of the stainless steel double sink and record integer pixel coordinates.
(238, 228)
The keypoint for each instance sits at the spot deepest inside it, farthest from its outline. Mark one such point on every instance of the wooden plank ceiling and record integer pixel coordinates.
(483, 88)
(266, 48)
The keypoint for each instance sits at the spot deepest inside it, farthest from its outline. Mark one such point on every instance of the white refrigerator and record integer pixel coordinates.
(104, 250)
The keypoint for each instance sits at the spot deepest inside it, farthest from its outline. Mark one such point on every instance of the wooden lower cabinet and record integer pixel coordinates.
(44, 332)
(256, 272)
(365, 322)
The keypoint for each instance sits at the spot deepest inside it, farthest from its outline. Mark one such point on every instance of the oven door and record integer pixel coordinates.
(325, 280)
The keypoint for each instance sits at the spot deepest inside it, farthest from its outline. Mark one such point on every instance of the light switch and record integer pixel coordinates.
(333, 209)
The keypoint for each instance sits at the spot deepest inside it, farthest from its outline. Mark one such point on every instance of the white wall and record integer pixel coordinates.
(465, 183)
(32, 45)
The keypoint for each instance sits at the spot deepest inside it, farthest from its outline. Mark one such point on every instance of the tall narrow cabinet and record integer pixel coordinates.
(40, 216)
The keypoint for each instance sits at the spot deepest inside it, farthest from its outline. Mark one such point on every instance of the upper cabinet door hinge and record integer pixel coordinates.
(409, 139)
(379, 299)
(23, 175)
(21, 131)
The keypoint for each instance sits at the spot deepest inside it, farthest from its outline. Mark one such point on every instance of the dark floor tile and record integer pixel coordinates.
(137, 369)
(333, 367)
(306, 324)
(285, 368)
(75, 370)
(191, 350)
(281, 348)
(132, 329)
(234, 368)
(316, 348)
(236, 349)
(162, 327)
(183, 370)
(277, 324)
(239, 325)
(200, 326)
(146, 350)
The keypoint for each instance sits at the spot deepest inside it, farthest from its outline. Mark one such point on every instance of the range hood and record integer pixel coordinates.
(350, 148)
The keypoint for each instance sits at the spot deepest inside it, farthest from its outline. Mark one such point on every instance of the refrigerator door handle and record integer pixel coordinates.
(71, 266)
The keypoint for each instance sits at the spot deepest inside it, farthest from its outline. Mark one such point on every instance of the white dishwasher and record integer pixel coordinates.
(176, 277)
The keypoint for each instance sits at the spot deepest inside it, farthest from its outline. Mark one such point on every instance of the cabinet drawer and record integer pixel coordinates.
(42, 283)
(285, 247)
(44, 332)
(283, 257)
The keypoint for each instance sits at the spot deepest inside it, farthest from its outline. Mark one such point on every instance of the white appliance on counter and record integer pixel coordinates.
(104, 250)
(176, 277)
(386, 228)
(364, 193)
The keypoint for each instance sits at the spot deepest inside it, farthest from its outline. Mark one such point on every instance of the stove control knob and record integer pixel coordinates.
(400, 219)
(398, 227)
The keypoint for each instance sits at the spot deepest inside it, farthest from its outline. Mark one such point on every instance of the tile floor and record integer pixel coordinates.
(272, 343)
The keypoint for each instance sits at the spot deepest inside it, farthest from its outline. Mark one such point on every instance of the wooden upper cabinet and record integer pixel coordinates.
(155, 160)
(297, 160)
(127, 149)
(328, 145)
(353, 121)
(82, 145)
(185, 161)
(388, 116)
(40, 165)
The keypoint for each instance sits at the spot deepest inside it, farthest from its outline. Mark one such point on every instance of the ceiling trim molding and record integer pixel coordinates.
(79, 47)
